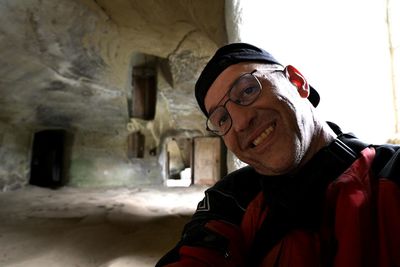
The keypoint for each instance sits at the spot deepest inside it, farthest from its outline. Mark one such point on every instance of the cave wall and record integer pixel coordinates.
(15, 147)
(67, 64)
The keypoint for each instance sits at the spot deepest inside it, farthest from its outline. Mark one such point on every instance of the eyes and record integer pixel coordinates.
(223, 120)
(219, 117)
(244, 92)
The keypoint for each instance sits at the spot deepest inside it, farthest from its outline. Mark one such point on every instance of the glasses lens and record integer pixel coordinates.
(246, 90)
(219, 121)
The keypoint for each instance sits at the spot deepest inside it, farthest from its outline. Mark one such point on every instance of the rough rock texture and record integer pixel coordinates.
(67, 64)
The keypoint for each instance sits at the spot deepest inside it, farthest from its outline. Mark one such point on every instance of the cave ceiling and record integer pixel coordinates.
(67, 63)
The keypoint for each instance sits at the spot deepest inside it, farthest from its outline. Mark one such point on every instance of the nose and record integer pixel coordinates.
(241, 116)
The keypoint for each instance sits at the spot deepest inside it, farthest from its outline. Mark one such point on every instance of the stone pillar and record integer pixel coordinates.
(233, 20)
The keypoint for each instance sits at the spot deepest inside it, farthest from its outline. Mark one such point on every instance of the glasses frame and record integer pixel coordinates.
(233, 100)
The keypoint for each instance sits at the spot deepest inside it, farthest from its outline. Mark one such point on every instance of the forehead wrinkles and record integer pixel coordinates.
(269, 77)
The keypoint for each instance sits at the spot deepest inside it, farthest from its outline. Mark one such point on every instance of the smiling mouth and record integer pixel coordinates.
(263, 135)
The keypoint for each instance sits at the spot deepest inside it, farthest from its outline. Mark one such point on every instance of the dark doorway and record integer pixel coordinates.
(47, 158)
(144, 93)
(136, 145)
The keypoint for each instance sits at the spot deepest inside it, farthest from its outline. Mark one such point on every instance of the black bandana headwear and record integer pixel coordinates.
(232, 54)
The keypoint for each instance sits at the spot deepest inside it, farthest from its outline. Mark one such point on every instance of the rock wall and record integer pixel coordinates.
(68, 64)
(15, 147)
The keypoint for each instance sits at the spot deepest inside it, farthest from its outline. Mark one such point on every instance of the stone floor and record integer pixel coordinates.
(73, 227)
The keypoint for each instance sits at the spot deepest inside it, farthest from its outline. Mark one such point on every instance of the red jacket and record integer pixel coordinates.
(354, 223)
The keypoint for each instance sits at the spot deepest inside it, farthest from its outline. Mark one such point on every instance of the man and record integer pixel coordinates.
(311, 195)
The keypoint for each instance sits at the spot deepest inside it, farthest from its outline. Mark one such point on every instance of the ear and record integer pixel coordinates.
(298, 80)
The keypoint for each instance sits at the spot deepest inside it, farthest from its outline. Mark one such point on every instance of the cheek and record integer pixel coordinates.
(230, 142)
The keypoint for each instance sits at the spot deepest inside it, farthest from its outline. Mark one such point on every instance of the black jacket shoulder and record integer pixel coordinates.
(229, 197)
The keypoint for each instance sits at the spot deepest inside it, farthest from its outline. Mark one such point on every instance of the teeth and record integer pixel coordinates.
(263, 135)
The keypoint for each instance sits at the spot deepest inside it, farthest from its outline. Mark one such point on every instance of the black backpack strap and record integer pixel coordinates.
(387, 162)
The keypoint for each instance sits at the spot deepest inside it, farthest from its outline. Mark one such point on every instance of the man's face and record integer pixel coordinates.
(272, 134)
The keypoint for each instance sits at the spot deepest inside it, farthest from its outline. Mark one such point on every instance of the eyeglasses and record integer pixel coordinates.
(244, 92)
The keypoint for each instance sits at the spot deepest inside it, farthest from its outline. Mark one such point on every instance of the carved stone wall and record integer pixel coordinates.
(67, 64)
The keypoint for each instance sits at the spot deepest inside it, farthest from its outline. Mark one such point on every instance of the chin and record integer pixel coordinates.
(278, 167)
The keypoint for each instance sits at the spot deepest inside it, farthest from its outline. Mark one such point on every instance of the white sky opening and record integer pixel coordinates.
(340, 46)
